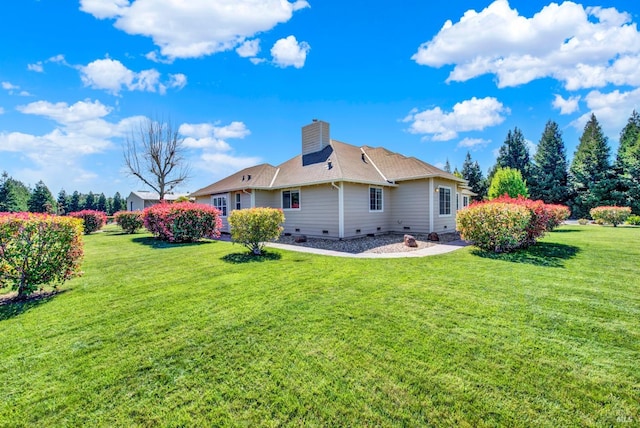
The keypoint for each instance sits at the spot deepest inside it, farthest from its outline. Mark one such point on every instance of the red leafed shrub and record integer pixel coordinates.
(93, 220)
(559, 213)
(611, 215)
(38, 249)
(494, 227)
(129, 221)
(182, 221)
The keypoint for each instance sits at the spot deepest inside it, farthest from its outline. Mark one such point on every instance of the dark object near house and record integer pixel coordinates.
(300, 238)
(410, 241)
(433, 237)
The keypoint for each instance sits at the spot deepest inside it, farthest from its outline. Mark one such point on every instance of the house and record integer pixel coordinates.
(337, 190)
(139, 200)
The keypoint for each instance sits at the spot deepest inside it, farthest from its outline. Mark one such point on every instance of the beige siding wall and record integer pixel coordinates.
(318, 212)
(358, 220)
(444, 223)
(266, 198)
(135, 203)
(410, 207)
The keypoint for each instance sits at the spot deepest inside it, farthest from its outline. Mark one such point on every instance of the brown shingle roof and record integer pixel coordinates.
(336, 162)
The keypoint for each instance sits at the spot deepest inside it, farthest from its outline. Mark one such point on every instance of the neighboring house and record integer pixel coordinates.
(337, 190)
(139, 200)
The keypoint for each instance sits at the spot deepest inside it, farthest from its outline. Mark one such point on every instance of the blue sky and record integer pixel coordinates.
(241, 77)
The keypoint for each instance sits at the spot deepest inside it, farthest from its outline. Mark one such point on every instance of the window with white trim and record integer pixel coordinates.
(375, 198)
(445, 200)
(291, 200)
(220, 203)
(238, 205)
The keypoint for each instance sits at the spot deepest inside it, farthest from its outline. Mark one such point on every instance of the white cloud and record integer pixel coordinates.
(249, 48)
(14, 89)
(194, 28)
(473, 143)
(1, 110)
(208, 136)
(228, 162)
(8, 86)
(288, 52)
(177, 80)
(584, 48)
(37, 67)
(59, 59)
(66, 114)
(568, 106)
(612, 110)
(112, 76)
(469, 115)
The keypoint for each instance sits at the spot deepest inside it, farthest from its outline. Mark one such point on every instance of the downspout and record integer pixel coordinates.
(431, 208)
(340, 209)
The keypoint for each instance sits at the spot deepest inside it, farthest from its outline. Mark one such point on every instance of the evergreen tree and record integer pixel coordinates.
(550, 176)
(41, 199)
(90, 201)
(101, 205)
(627, 165)
(62, 202)
(447, 166)
(473, 174)
(457, 173)
(14, 195)
(74, 203)
(589, 167)
(118, 203)
(514, 154)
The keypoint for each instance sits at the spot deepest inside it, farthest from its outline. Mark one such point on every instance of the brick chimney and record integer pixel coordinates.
(315, 137)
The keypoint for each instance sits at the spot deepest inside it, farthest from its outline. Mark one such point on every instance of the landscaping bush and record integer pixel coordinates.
(182, 221)
(129, 221)
(583, 221)
(38, 249)
(494, 226)
(558, 214)
(633, 220)
(611, 215)
(508, 181)
(255, 226)
(92, 220)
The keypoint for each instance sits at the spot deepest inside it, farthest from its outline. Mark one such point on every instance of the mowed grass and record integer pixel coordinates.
(200, 335)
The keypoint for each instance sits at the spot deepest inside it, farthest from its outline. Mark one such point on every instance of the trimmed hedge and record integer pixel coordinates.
(182, 221)
(633, 220)
(498, 225)
(254, 226)
(92, 220)
(38, 249)
(129, 221)
(610, 215)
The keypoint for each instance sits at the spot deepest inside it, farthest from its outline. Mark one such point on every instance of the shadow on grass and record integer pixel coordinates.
(566, 230)
(541, 254)
(159, 244)
(246, 257)
(11, 307)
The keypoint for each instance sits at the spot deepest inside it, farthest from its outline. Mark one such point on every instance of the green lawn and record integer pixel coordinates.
(199, 335)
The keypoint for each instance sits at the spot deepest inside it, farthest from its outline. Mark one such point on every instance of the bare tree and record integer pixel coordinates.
(154, 154)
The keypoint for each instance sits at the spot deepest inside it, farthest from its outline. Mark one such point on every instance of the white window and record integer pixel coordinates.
(445, 200)
(291, 200)
(220, 203)
(465, 201)
(375, 198)
(238, 206)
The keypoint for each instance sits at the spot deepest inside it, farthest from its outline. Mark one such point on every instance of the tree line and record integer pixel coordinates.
(590, 180)
(15, 196)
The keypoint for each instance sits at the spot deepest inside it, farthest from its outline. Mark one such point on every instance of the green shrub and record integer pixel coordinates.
(583, 221)
(92, 220)
(255, 226)
(508, 181)
(129, 221)
(182, 221)
(611, 215)
(494, 226)
(634, 220)
(38, 249)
